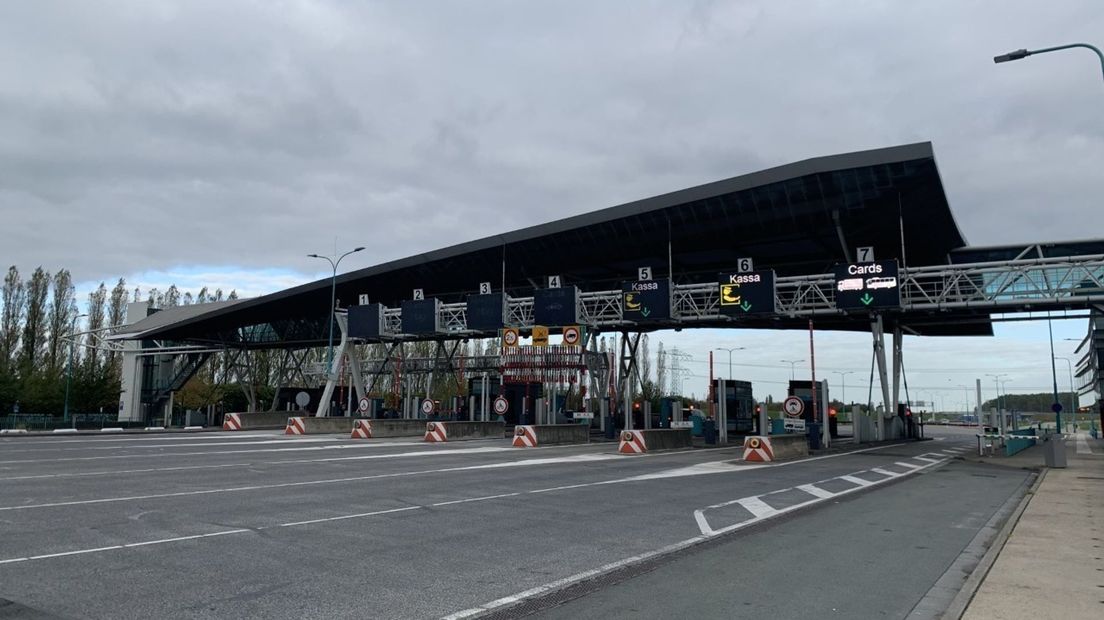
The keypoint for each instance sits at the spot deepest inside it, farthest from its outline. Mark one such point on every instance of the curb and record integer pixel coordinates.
(962, 600)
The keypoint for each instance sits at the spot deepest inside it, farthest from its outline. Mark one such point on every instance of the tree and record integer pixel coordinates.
(172, 297)
(97, 309)
(34, 325)
(62, 311)
(14, 299)
(116, 314)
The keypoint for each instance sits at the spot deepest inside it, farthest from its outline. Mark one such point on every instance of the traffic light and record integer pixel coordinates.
(758, 409)
(636, 406)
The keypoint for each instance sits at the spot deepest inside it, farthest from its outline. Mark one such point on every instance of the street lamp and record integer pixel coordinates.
(1073, 406)
(69, 369)
(1023, 53)
(1000, 413)
(792, 363)
(729, 357)
(843, 383)
(333, 300)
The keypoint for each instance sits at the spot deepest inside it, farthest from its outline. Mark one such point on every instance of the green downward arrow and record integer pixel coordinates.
(746, 306)
(645, 312)
(866, 299)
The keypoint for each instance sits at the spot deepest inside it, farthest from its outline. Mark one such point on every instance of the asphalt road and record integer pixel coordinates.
(256, 525)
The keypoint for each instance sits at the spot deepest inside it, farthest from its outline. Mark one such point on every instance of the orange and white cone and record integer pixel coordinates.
(231, 422)
(362, 429)
(525, 437)
(295, 426)
(435, 432)
(758, 450)
(632, 442)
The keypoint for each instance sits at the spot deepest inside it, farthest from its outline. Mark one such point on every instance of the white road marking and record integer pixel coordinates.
(908, 465)
(757, 507)
(816, 491)
(475, 499)
(345, 517)
(858, 481)
(283, 485)
(885, 472)
(349, 446)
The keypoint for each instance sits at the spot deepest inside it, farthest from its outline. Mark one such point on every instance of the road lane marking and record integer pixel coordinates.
(577, 458)
(815, 491)
(360, 515)
(908, 465)
(885, 472)
(475, 499)
(757, 507)
(858, 481)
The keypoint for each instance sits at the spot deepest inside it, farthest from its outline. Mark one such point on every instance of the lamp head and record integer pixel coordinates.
(1016, 55)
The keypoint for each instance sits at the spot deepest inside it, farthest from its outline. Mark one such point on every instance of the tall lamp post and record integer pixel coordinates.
(1072, 405)
(996, 386)
(843, 383)
(69, 368)
(730, 350)
(792, 363)
(1024, 53)
(333, 300)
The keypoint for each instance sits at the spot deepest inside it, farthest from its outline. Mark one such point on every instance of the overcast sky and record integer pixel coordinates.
(219, 142)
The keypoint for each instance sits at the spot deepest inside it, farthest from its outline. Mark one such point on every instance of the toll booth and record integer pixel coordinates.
(521, 396)
(739, 406)
(804, 391)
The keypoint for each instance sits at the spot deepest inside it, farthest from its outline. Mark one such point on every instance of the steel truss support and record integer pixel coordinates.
(878, 331)
(627, 368)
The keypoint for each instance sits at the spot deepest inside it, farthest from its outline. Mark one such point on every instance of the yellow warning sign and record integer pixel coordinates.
(730, 294)
(540, 336)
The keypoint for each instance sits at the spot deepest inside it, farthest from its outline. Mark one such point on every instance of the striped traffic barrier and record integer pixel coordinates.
(231, 422)
(525, 437)
(295, 426)
(632, 442)
(13, 431)
(758, 450)
(362, 429)
(436, 432)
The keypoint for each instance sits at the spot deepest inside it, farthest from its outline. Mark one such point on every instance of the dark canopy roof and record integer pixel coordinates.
(796, 219)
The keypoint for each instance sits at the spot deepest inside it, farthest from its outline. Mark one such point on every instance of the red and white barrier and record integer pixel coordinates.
(525, 437)
(436, 433)
(758, 450)
(632, 442)
(362, 429)
(295, 426)
(231, 422)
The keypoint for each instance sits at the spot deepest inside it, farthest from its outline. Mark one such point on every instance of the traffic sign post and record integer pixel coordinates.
(364, 404)
(501, 405)
(572, 335)
(866, 286)
(746, 292)
(509, 337)
(793, 406)
(427, 406)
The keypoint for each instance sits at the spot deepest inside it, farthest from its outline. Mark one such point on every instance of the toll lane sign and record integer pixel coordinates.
(746, 293)
(861, 286)
(646, 300)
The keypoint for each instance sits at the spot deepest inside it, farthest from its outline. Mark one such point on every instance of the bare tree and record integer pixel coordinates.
(14, 300)
(34, 325)
(661, 369)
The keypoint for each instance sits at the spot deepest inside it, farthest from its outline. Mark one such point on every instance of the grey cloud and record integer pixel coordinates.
(142, 135)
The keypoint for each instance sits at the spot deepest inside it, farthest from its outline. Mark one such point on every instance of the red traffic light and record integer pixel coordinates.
(636, 406)
(758, 409)
(832, 412)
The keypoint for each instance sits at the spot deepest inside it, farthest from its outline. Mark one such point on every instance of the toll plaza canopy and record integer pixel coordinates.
(797, 219)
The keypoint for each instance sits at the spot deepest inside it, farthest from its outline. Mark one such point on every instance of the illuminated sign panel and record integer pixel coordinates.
(746, 293)
(861, 286)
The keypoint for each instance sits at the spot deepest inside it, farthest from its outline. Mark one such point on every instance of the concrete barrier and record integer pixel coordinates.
(374, 429)
(318, 426)
(254, 421)
(638, 442)
(760, 449)
(530, 436)
(452, 431)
